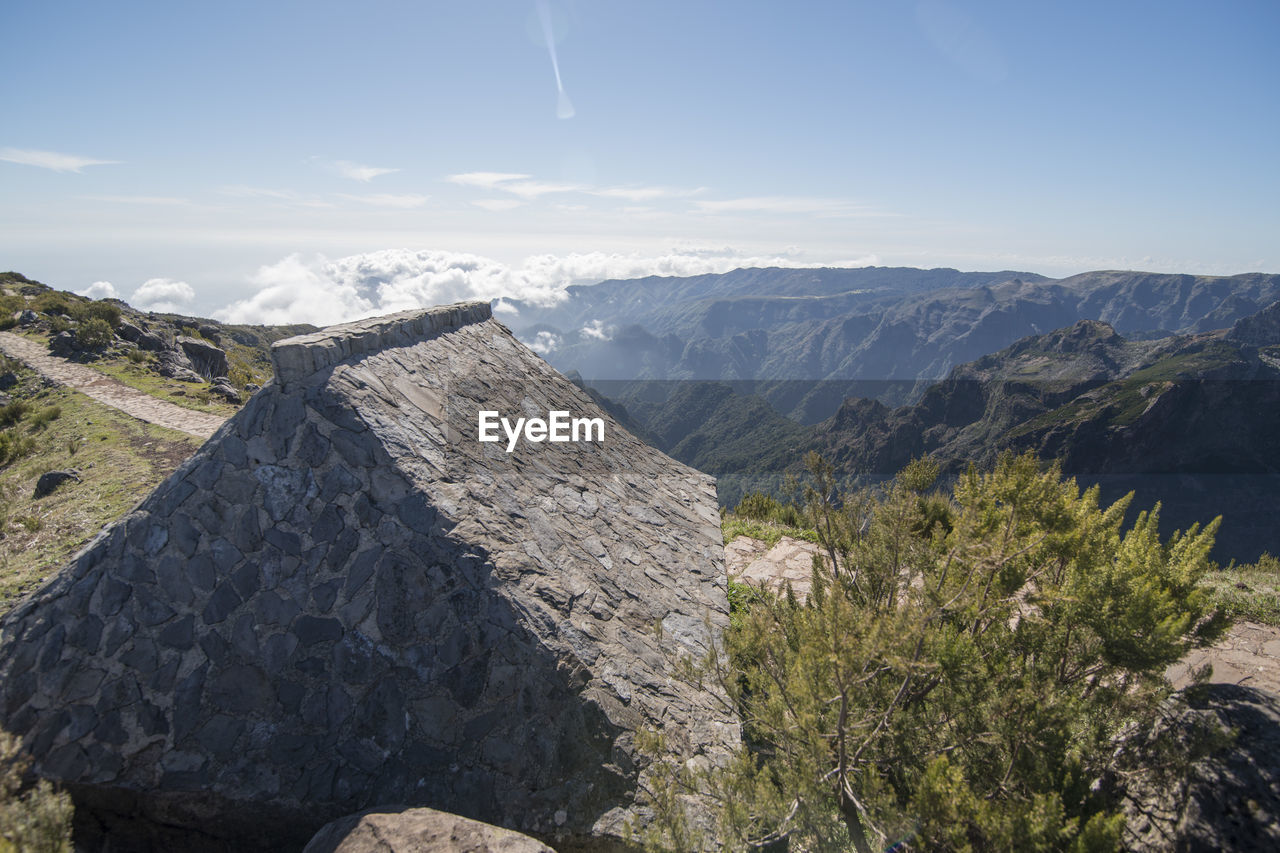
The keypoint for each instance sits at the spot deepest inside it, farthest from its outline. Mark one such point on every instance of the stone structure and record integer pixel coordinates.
(344, 599)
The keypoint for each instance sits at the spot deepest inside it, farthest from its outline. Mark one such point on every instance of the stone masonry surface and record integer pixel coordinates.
(343, 600)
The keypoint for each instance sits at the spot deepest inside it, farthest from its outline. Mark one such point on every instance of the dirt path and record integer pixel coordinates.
(1249, 653)
(110, 391)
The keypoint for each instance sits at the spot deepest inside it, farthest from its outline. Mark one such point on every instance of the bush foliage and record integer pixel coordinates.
(959, 674)
(33, 818)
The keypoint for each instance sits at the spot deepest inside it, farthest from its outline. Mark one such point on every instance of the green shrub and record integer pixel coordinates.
(59, 323)
(51, 303)
(13, 412)
(34, 820)
(42, 418)
(13, 447)
(94, 334)
(105, 311)
(137, 356)
(954, 681)
(758, 506)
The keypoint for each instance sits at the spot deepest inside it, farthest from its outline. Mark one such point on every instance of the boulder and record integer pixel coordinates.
(206, 359)
(223, 388)
(51, 480)
(397, 829)
(344, 598)
(27, 317)
(174, 364)
(63, 344)
(144, 340)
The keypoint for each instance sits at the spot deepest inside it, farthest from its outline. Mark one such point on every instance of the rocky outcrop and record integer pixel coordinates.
(208, 360)
(1258, 330)
(402, 830)
(1228, 800)
(345, 599)
(145, 340)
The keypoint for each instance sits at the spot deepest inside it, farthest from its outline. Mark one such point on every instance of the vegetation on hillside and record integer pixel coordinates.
(961, 673)
(34, 817)
(45, 428)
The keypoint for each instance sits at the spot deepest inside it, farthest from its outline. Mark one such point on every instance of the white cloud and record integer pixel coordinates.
(100, 290)
(322, 291)
(164, 295)
(785, 204)
(160, 200)
(498, 204)
(597, 330)
(637, 194)
(502, 306)
(485, 180)
(545, 342)
(402, 202)
(50, 159)
(527, 187)
(354, 171)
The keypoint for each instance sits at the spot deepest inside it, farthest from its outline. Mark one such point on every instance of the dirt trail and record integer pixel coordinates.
(109, 391)
(1249, 653)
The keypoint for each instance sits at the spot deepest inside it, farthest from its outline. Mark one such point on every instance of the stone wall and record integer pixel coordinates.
(344, 600)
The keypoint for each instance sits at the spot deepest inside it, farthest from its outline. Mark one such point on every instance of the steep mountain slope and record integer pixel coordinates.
(875, 324)
(1187, 420)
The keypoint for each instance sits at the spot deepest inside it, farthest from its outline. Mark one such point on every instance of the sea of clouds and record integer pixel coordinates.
(323, 291)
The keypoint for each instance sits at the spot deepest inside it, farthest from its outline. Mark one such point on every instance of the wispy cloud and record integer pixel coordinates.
(239, 191)
(348, 169)
(498, 204)
(50, 159)
(787, 204)
(485, 180)
(158, 200)
(638, 194)
(529, 188)
(402, 202)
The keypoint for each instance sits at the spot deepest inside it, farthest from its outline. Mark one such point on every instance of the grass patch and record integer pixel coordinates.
(732, 526)
(120, 460)
(1250, 591)
(189, 395)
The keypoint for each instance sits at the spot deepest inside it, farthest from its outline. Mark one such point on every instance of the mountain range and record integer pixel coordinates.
(1161, 384)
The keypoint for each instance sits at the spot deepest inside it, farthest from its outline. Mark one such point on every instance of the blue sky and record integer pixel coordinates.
(314, 160)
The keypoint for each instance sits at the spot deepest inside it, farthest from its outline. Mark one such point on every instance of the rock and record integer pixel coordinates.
(1228, 800)
(211, 333)
(28, 317)
(206, 359)
(51, 480)
(222, 387)
(252, 388)
(145, 340)
(398, 829)
(174, 364)
(345, 599)
(63, 344)
(8, 380)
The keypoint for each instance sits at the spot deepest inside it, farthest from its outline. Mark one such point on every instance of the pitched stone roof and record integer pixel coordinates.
(344, 599)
